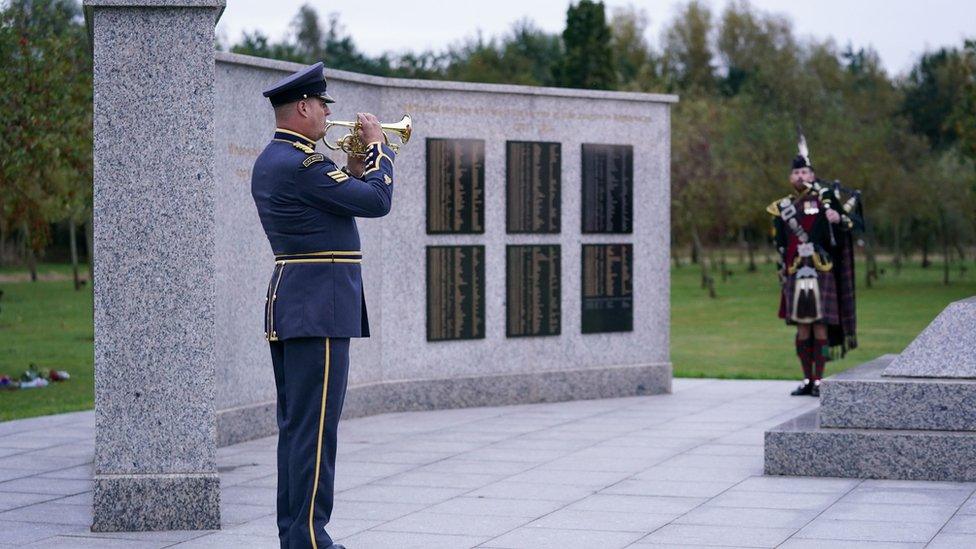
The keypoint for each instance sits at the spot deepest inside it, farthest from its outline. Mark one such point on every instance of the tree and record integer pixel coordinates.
(637, 66)
(699, 186)
(687, 50)
(257, 44)
(533, 52)
(525, 56)
(936, 84)
(960, 121)
(308, 42)
(588, 59)
(758, 52)
(45, 141)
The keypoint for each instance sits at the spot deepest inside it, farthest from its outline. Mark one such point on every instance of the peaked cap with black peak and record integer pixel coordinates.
(308, 82)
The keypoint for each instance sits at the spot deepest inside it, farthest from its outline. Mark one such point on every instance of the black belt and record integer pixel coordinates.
(340, 256)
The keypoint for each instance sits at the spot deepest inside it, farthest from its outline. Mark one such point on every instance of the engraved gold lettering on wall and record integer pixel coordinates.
(455, 292)
(247, 155)
(517, 114)
(607, 288)
(455, 186)
(532, 188)
(241, 150)
(608, 188)
(533, 292)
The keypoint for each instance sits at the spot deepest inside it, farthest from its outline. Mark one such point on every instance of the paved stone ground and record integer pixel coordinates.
(679, 470)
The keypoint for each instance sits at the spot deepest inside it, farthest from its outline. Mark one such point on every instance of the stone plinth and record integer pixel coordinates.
(864, 398)
(155, 455)
(803, 447)
(898, 417)
(945, 349)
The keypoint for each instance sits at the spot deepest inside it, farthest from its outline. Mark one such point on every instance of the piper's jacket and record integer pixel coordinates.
(815, 224)
(308, 208)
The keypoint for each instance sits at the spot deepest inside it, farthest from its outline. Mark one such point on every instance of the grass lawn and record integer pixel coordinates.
(49, 324)
(736, 335)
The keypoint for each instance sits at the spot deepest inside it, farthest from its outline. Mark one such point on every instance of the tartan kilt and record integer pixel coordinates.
(828, 299)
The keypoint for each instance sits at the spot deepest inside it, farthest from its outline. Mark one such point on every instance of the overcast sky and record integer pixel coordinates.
(898, 29)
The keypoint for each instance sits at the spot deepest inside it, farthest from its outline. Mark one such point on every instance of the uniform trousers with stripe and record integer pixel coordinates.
(310, 376)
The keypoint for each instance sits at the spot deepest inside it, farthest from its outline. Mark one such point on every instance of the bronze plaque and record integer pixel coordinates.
(532, 186)
(455, 186)
(608, 288)
(608, 188)
(532, 289)
(455, 292)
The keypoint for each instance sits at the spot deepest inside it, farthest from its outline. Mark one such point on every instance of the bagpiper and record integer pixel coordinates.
(813, 232)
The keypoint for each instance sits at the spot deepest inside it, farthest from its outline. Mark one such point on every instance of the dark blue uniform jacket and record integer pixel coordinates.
(308, 208)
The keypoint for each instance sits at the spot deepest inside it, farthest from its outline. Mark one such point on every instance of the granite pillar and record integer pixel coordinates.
(155, 457)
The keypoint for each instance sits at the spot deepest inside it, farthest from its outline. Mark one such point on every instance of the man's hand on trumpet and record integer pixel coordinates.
(369, 132)
(369, 128)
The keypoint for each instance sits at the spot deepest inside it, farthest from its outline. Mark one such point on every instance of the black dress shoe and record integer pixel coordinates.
(815, 390)
(805, 389)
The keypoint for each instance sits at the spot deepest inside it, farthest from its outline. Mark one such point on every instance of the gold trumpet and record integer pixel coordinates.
(352, 144)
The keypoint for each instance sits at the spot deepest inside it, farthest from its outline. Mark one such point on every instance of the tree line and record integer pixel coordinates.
(745, 79)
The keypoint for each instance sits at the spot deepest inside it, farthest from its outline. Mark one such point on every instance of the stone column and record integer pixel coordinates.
(155, 441)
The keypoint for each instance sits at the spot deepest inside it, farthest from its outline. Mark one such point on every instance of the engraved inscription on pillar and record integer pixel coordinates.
(608, 188)
(532, 288)
(455, 292)
(608, 289)
(455, 186)
(532, 190)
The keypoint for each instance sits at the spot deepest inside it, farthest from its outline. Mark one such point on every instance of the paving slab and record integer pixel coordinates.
(952, 541)
(637, 487)
(638, 504)
(614, 521)
(801, 543)
(703, 534)
(460, 525)
(961, 524)
(869, 530)
(846, 510)
(89, 542)
(908, 496)
(527, 508)
(776, 500)
(743, 516)
(551, 538)
(51, 512)
(378, 539)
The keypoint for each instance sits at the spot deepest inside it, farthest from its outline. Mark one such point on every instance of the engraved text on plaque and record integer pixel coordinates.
(532, 177)
(608, 188)
(455, 292)
(608, 289)
(455, 186)
(532, 290)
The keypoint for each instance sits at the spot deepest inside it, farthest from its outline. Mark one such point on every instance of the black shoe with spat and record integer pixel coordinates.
(804, 389)
(815, 389)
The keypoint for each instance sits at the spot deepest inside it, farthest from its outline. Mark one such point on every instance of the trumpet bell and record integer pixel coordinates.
(403, 128)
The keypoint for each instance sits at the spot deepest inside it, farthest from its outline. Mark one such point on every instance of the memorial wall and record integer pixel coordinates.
(525, 259)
